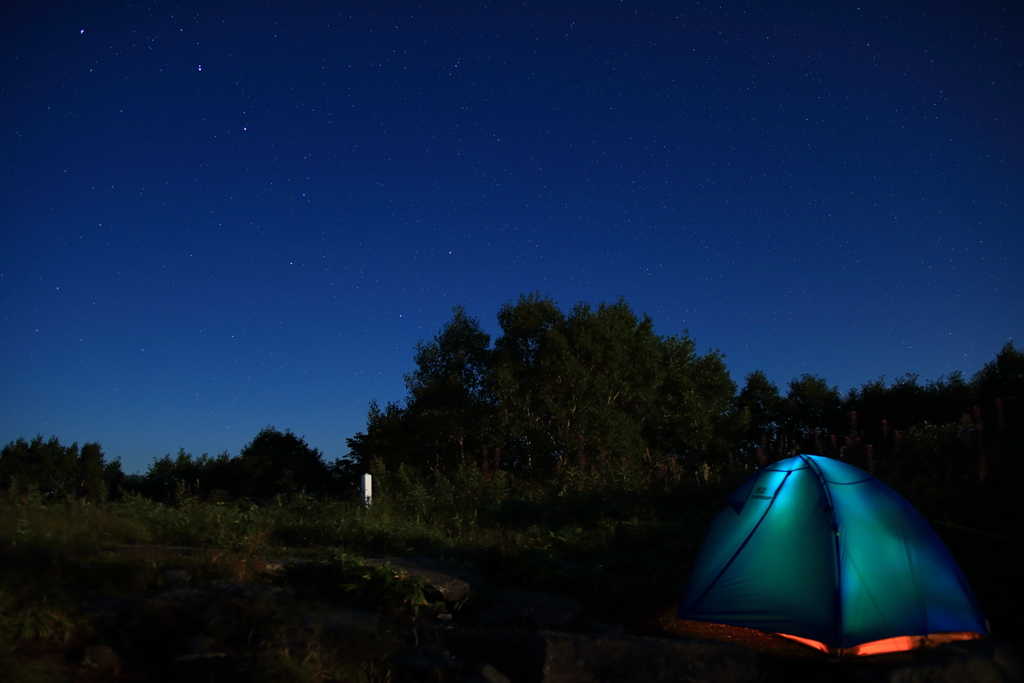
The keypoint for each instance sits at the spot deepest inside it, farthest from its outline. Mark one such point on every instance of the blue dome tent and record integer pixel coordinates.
(822, 552)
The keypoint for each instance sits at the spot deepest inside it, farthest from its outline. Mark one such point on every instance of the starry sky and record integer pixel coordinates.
(220, 216)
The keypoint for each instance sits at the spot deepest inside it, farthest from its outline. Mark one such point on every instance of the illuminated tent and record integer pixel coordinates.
(824, 553)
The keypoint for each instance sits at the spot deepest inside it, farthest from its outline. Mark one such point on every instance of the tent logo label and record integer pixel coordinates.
(759, 493)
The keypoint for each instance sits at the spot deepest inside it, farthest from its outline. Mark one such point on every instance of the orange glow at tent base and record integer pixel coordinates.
(888, 645)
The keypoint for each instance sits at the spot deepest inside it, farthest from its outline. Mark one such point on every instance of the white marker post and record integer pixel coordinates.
(367, 489)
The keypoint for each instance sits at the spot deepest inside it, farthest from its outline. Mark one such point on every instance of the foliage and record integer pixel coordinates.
(554, 387)
(759, 406)
(54, 555)
(272, 464)
(168, 478)
(57, 471)
(551, 387)
(36, 620)
(810, 403)
(873, 423)
(345, 580)
(1000, 386)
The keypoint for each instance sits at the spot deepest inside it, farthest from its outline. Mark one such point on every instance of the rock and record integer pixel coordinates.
(197, 648)
(544, 610)
(101, 657)
(978, 661)
(196, 644)
(486, 673)
(453, 582)
(427, 660)
(199, 657)
(341, 620)
(567, 566)
(174, 577)
(602, 628)
(181, 597)
(105, 613)
(516, 653)
(246, 591)
(221, 624)
(570, 658)
(350, 620)
(277, 564)
(154, 550)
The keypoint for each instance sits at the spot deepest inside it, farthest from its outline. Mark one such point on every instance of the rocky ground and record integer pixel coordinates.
(205, 632)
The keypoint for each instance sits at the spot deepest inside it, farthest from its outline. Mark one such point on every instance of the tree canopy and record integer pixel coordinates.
(57, 471)
(552, 387)
(557, 386)
(273, 463)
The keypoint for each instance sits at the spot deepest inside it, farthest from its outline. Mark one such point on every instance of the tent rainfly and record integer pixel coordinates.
(821, 552)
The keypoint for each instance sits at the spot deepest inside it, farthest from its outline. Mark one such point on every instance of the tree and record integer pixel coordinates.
(390, 436)
(447, 412)
(553, 387)
(169, 477)
(56, 471)
(759, 402)
(90, 475)
(695, 409)
(1003, 379)
(275, 463)
(568, 385)
(526, 364)
(615, 366)
(811, 403)
(948, 398)
(447, 391)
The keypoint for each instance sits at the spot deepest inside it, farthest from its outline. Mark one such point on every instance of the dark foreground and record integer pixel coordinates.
(206, 615)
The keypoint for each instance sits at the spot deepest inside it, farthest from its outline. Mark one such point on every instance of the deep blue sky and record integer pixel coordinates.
(219, 216)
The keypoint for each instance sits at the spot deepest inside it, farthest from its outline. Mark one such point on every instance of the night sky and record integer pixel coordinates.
(218, 216)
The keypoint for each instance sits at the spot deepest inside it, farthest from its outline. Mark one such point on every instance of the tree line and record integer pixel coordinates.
(556, 388)
(273, 463)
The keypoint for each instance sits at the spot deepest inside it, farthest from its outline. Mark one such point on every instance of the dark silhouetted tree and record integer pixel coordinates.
(169, 478)
(810, 403)
(57, 471)
(760, 403)
(447, 392)
(598, 381)
(694, 404)
(525, 356)
(281, 463)
(1002, 379)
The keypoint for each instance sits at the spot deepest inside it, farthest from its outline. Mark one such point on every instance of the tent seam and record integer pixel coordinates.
(744, 544)
(823, 483)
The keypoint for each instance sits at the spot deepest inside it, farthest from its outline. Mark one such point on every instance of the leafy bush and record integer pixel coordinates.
(343, 579)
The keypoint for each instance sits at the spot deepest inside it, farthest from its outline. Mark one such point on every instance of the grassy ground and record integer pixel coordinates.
(622, 547)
